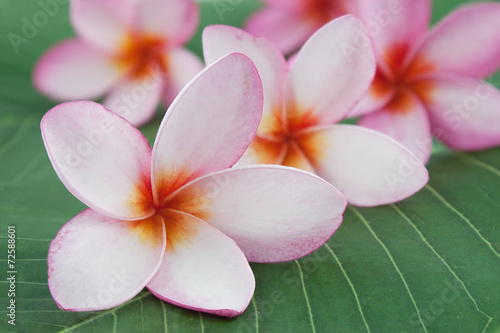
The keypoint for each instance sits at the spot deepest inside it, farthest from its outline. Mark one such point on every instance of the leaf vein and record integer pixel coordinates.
(356, 297)
(256, 315)
(363, 220)
(301, 273)
(201, 323)
(456, 211)
(479, 163)
(406, 218)
(164, 316)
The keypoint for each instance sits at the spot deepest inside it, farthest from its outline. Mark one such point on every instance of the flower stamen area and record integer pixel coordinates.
(171, 208)
(284, 139)
(140, 54)
(402, 79)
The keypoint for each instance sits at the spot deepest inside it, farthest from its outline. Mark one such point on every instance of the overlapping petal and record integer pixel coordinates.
(405, 120)
(96, 262)
(325, 79)
(466, 112)
(273, 213)
(369, 168)
(377, 97)
(74, 70)
(136, 99)
(203, 269)
(201, 134)
(395, 26)
(466, 42)
(103, 23)
(287, 29)
(183, 66)
(219, 40)
(101, 158)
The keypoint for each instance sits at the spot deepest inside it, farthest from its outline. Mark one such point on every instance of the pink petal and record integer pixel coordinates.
(406, 123)
(219, 40)
(73, 69)
(465, 113)
(325, 80)
(103, 23)
(466, 42)
(395, 26)
(210, 124)
(176, 20)
(137, 99)
(183, 66)
(203, 269)
(273, 213)
(288, 30)
(101, 159)
(369, 168)
(96, 262)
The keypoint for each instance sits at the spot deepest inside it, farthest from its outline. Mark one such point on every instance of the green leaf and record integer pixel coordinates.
(428, 264)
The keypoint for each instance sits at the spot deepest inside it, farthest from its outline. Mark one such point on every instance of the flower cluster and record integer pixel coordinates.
(175, 219)
(250, 163)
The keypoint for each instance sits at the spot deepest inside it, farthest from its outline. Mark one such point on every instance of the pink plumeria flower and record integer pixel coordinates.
(429, 82)
(289, 23)
(174, 218)
(128, 50)
(303, 103)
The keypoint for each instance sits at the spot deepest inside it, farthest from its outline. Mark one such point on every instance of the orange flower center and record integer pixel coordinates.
(402, 78)
(168, 210)
(284, 139)
(141, 55)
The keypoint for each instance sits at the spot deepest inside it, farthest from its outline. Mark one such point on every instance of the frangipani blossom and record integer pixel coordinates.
(289, 23)
(303, 103)
(430, 82)
(174, 218)
(128, 50)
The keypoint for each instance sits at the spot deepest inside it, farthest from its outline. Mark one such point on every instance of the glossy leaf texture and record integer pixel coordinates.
(428, 264)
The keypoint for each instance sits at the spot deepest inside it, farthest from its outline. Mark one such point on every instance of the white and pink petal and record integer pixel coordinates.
(273, 213)
(101, 158)
(465, 112)
(466, 42)
(219, 40)
(203, 269)
(137, 99)
(175, 20)
(183, 66)
(288, 30)
(368, 167)
(103, 23)
(73, 69)
(327, 79)
(203, 132)
(96, 262)
(406, 120)
(395, 26)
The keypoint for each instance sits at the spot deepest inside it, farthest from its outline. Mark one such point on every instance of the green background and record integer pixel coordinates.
(428, 264)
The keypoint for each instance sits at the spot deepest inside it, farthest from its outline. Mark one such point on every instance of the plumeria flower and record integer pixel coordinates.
(289, 23)
(128, 50)
(174, 218)
(430, 82)
(303, 103)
